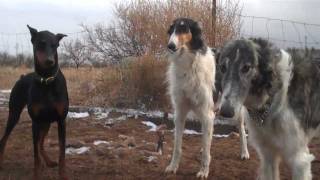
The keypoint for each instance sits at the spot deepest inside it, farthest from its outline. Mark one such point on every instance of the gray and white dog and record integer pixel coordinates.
(281, 92)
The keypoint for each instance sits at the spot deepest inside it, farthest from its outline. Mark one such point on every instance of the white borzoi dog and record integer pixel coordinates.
(191, 78)
(282, 95)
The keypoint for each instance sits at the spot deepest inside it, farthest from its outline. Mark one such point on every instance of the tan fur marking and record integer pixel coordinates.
(41, 58)
(184, 38)
(36, 108)
(60, 108)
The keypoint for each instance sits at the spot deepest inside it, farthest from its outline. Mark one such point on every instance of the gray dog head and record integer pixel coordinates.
(247, 76)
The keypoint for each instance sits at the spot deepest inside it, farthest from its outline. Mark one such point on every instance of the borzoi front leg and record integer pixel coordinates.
(242, 132)
(207, 118)
(269, 165)
(179, 120)
(301, 165)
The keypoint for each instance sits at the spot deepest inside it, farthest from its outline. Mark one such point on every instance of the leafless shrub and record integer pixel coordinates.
(18, 60)
(77, 51)
(112, 44)
(141, 26)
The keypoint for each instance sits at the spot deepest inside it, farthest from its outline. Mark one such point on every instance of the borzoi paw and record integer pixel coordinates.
(245, 156)
(172, 168)
(203, 173)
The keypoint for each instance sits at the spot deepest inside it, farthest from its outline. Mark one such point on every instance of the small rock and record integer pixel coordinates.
(234, 135)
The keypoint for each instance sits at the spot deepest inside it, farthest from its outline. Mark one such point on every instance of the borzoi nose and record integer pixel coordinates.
(227, 110)
(172, 47)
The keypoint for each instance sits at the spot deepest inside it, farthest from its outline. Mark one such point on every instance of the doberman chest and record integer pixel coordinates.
(46, 105)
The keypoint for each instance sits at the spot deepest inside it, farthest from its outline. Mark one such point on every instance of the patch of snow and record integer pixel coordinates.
(111, 121)
(98, 142)
(136, 113)
(150, 124)
(151, 158)
(155, 114)
(122, 118)
(76, 115)
(221, 135)
(81, 150)
(190, 131)
(100, 116)
(5, 91)
(4, 100)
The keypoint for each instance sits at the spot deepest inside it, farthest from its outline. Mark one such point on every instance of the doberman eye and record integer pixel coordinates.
(223, 68)
(245, 68)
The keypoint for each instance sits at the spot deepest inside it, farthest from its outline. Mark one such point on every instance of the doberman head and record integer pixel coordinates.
(45, 45)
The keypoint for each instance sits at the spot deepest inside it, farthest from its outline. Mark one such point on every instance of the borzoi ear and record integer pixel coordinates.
(196, 42)
(217, 52)
(266, 79)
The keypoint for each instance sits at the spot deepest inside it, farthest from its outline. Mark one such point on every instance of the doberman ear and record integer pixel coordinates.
(33, 32)
(60, 36)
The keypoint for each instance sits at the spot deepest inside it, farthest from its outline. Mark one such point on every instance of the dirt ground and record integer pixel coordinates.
(118, 161)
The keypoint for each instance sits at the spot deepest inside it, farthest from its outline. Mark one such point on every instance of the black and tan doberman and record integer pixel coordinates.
(44, 91)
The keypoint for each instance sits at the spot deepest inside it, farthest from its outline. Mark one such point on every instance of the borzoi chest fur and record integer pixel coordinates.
(191, 78)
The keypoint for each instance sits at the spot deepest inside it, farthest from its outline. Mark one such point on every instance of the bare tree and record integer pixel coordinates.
(112, 43)
(77, 51)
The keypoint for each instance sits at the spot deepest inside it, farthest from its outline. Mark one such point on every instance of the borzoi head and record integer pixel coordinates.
(184, 33)
(246, 67)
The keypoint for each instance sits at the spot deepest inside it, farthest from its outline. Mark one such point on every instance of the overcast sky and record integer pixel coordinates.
(66, 15)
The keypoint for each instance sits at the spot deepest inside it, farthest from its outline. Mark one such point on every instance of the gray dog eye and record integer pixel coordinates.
(223, 68)
(245, 68)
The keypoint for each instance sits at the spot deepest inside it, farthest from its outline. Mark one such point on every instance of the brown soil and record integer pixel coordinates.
(121, 162)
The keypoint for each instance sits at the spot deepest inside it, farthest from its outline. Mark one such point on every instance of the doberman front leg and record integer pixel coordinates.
(43, 133)
(36, 138)
(62, 146)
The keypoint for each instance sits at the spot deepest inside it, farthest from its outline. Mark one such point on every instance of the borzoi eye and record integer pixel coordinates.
(245, 68)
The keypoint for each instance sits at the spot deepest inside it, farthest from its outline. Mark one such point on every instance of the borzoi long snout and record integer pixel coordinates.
(173, 42)
(227, 110)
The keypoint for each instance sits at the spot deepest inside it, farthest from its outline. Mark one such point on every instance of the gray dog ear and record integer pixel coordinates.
(60, 36)
(33, 32)
(217, 52)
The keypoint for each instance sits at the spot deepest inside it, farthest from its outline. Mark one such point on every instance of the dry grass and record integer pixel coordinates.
(136, 84)
(140, 83)
(9, 75)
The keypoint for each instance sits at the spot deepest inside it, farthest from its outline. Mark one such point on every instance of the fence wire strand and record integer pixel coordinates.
(19, 43)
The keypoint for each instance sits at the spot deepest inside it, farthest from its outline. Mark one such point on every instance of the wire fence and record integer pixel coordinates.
(20, 43)
(283, 32)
